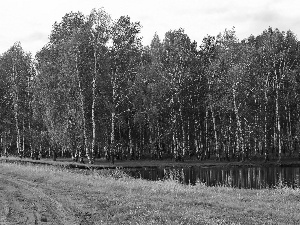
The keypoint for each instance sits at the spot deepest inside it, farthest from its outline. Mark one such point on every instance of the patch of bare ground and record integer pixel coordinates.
(35, 201)
(25, 202)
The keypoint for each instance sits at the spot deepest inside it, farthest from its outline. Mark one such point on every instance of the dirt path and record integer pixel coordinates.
(26, 202)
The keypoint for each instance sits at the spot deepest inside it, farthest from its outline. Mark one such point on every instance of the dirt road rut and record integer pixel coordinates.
(28, 202)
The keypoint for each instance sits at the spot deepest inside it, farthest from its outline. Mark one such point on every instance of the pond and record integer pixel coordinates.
(239, 177)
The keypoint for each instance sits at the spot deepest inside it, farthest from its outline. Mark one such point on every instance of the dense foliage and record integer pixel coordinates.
(94, 90)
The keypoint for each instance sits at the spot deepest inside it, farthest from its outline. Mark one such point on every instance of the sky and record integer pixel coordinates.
(30, 21)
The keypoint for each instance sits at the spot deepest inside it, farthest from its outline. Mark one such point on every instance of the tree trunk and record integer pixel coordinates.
(1, 145)
(112, 138)
(30, 140)
(81, 99)
(16, 109)
(92, 158)
(188, 146)
(23, 138)
(18, 133)
(182, 130)
(207, 148)
(230, 144)
(5, 144)
(175, 141)
(141, 138)
(151, 134)
(265, 127)
(130, 139)
(239, 138)
(289, 129)
(113, 118)
(256, 136)
(278, 124)
(215, 134)
(54, 154)
(175, 146)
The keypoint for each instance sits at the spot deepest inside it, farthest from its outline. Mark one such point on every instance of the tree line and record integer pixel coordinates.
(95, 91)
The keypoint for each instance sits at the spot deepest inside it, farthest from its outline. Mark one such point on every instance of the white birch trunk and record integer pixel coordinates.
(81, 98)
(16, 110)
(93, 108)
(239, 138)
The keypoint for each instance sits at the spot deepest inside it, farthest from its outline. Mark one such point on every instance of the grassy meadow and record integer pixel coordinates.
(111, 197)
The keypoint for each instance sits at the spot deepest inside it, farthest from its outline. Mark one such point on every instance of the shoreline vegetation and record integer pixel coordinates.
(111, 197)
(105, 164)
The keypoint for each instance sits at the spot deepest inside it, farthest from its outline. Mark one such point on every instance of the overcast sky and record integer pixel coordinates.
(30, 21)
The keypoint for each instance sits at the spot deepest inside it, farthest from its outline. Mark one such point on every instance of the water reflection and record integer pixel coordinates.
(240, 177)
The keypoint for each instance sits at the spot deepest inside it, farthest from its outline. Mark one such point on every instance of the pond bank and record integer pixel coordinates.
(103, 164)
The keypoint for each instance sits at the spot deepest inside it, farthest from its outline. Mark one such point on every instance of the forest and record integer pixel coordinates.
(95, 91)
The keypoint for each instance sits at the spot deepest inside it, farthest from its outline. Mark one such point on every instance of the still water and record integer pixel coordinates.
(239, 177)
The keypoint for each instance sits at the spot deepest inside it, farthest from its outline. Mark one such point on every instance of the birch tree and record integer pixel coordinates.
(177, 57)
(124, 59)
(16, 69)
(100, 24)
